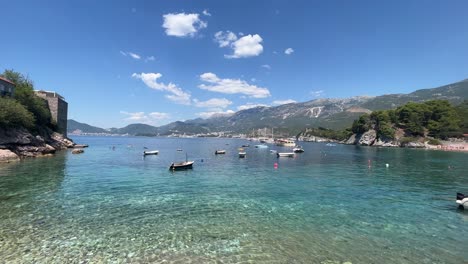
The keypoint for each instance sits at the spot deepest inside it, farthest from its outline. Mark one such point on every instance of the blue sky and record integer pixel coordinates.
(122, 62)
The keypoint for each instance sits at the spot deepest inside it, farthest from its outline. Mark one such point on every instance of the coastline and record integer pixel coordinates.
(16, 144)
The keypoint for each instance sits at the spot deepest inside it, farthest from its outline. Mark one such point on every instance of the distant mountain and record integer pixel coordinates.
(73, 125)
(136, 129)
(290, 119)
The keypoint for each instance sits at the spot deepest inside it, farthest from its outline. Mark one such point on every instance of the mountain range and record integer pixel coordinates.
(289, 119)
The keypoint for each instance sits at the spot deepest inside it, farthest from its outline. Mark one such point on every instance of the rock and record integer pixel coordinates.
(77, 151)
(385, 143)
(368, 138)
(352, 140)
(7, 155)
(414, 145)
(80, 146)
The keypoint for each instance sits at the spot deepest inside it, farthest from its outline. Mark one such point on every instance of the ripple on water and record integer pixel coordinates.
(325, 206)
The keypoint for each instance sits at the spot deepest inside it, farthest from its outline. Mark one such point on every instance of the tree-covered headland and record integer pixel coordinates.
(24, 109)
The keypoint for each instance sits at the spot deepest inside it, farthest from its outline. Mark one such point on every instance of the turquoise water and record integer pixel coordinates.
(323, 206)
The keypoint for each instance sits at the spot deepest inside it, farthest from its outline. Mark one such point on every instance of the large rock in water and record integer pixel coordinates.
(385, 143)
(7, 155)
(368, 138)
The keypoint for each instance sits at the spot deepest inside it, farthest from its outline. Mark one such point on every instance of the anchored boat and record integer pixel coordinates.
(181, 165)
(285, 154)
(462, 201)
(150, 152)
(298, 149)
(220, 152)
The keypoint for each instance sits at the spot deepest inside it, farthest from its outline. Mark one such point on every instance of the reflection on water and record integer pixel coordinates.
(323, 206)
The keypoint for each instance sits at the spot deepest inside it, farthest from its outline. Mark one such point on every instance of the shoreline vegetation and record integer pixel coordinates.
(434, 124)
(26, 125)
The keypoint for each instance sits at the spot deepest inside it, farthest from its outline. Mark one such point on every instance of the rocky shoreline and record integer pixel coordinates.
(16, 144)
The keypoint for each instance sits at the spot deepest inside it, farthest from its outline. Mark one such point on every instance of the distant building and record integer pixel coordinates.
(58, 109)
(7, 87)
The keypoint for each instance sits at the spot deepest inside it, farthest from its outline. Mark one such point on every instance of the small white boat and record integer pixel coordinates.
(242, 154)
(261, 146)
(285, 154)
(462, 201)
(298, 149)
(273, 151)
(221, 151)
(150, 152)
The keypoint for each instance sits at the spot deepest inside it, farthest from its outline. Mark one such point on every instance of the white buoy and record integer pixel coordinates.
(386, 165)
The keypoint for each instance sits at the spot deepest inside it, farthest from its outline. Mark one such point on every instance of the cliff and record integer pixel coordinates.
(17, 143)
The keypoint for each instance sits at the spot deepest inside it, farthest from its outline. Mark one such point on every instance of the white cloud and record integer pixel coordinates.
(317, 93)
(250, 105)
(177, 94)
(288, 51)
(246, 46)
(210, 114)
(158, 115)
(231, 86)
(213, 103)
(134, 55)
(206, 13)
(266, 66)
(142, 117)
(225, 38)
(150, 58)
(131, 54)
(182, 25)
(282, 102)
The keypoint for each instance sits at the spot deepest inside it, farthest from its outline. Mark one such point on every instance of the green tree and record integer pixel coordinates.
(361, 125)
(24, 94)
(14, 114)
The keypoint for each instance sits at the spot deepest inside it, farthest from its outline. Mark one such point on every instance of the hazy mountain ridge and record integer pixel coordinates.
(331, 113)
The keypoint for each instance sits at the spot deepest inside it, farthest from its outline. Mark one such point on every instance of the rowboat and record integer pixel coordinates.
(220, 152)
(181, 165)
(150, 152)
(285, 154)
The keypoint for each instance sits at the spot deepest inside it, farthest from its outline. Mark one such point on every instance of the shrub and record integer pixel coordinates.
(13, 114)
(433, 141)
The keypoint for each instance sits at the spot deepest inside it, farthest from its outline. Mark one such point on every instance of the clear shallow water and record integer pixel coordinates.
(324, 206)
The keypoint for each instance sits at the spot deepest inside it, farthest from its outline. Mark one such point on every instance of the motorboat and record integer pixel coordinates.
(150, 152)
(222, 151)
(246, 146)
(298, 149)
(273, 151)
(285, 154)
(185, 165)
(242, 153)
(462, 201)
(263, 146)
(285, 143)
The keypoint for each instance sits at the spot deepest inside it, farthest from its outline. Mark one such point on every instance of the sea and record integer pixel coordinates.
(330, 204)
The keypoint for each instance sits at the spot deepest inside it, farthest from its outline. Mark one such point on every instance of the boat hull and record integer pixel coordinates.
(285, 154)
(154, 152)
(181, 166)
(462, 201)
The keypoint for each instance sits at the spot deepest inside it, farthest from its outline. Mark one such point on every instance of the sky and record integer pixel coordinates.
(155, 62)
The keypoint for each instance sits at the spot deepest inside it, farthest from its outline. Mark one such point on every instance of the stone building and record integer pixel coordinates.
(7, 87)
(58, 109)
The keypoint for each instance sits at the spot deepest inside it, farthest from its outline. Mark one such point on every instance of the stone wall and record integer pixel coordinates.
(58, 109)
